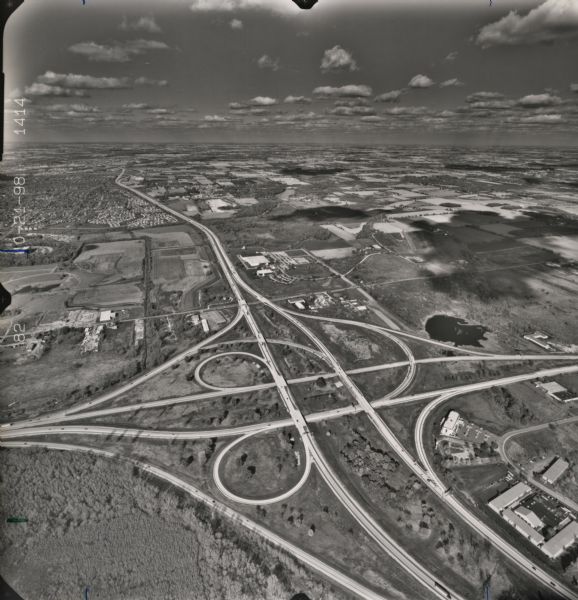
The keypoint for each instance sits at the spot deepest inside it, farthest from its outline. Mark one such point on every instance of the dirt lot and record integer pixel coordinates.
(94, 523)
(264, 466)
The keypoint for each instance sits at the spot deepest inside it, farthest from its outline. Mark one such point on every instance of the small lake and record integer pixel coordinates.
(445, 328)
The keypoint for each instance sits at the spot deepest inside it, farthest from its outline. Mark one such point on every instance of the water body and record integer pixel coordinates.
(6, 592)
(445, 328)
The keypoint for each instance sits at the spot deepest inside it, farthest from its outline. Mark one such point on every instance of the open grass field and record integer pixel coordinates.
(264, 466)
(63, 375)
(500, 409)
(228, 411)
(119, 261)
(356, 347)
(128, 538)
(108, 296)
(316, 521)
(542, 447)
(414, 516)
(234, 370)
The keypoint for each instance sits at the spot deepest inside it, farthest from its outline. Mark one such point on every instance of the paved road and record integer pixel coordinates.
(200, 366)
(439, 488)
(502, 448)
(426, 473)
(251, 501)
(310, 560)
(357, 511)
(134, 382)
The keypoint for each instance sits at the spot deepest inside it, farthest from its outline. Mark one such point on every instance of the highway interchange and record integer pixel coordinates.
(18, 434)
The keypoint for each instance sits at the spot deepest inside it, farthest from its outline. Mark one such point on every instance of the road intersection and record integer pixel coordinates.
(421, 465)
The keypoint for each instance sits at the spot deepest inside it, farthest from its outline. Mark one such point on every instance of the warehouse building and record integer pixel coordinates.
(515, 493)
(556, 545)
(555, 471)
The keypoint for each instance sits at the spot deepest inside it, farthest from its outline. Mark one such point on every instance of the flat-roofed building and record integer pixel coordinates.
(450, 424)
(555, 471)
(523, 527)
(254, 262)
(515, 493)
(561, 541)
(530, 517)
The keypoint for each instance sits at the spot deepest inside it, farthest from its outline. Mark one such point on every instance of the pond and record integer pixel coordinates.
(445, 328)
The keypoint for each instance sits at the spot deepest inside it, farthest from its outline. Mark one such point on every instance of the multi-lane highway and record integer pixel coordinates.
(53, 423)
(357, 511)
(312, 561)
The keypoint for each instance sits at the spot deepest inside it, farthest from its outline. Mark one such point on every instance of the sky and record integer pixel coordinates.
(363, 71)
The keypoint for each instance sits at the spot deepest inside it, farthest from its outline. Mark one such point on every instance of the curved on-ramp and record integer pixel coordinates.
(257, 501)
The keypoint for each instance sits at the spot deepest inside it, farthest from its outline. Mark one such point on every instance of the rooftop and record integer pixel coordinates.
(562, 540)
(510, 496)
(555, 470)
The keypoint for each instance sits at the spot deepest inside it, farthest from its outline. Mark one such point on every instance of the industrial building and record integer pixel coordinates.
(521, 525)
(561, 541)
(557, 391)
(450, 424)
(555, 471)
(254, 262)
(511, 495)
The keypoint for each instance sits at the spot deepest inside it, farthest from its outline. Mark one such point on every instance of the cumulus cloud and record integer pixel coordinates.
(337, 59)
(483, 96)
(117, 52)
(77, 108)
(159, 111)
(215, 119)
(236, 24)
(451, 56)
(352, 102)
(539, 100)
(420, 81)
(135, 106)
(372, 119)
(349, 111)
(266, 62)
(146, 24)
(237, 105)
(151, 82)
(230, 5)
(392, 96)
(574, 87)
(545, 118)
(297, 100)
(407, 110)
(262, 101)
(451, 83)
(44, 89)
(345, 91)
(293, 117)
(86, 82)
(551, 21)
